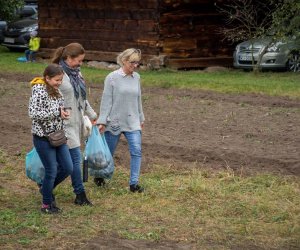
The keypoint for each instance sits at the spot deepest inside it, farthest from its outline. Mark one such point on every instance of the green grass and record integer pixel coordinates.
(230, 81)
(207, 208)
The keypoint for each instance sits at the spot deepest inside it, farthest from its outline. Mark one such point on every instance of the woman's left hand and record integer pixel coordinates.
(64, 114)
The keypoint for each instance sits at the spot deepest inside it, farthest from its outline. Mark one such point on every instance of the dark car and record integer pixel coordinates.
(29, 9)
(17, 34)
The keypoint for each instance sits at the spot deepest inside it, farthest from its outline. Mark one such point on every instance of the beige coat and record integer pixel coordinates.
(74, 124)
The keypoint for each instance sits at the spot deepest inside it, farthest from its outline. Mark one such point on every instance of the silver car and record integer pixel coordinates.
(276, 55)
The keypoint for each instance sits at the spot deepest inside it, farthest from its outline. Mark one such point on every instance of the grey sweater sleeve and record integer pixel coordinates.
(141, 113)
(90, 111)
(106, 101)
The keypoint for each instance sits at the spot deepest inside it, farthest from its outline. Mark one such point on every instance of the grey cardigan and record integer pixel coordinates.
(121, 106)
(74, 124)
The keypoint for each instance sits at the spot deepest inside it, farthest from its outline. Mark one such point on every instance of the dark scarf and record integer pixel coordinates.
(76, 79)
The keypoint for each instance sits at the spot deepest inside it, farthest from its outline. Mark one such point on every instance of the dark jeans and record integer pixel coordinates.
(76, 175)
(30, 55)
(58, 165)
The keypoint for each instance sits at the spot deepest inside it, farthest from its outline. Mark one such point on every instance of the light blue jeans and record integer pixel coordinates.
(134, 139)
(58, 165)
(76, 175)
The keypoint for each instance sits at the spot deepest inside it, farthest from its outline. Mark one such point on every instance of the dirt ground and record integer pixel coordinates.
(184, 129)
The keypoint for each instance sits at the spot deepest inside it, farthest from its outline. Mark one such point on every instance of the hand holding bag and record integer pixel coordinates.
(97, 155)
(86, 126)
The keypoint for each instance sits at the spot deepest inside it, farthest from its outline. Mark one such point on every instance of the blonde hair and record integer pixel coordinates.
(129, 55)
(72, 50)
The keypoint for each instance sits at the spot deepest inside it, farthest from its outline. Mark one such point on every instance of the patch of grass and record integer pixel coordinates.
(230, 81)
(190, 206)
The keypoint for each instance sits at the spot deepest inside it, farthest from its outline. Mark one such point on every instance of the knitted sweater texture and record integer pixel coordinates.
(121, 106)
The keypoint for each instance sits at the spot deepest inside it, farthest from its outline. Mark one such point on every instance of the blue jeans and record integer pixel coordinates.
(76, 175)
(134, 139)
(58, 165)
(30, 55)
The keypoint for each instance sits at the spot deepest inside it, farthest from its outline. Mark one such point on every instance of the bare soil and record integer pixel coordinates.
(185, 129)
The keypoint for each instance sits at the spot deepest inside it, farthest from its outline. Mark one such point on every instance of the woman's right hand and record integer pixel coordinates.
(101, 128)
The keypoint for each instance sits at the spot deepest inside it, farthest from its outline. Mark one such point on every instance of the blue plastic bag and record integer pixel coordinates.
(22, 59)
(34, 167)
(97, 155)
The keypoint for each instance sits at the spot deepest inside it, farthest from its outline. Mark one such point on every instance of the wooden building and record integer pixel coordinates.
(173, 33)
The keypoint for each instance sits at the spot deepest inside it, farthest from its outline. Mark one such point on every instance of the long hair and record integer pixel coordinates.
(72, 50)
(50, 71)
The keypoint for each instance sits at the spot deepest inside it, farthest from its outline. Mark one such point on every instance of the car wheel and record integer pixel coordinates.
(293, 63)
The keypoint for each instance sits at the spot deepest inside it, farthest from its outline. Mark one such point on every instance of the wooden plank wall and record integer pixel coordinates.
(189, 30)
(100, 25)
(180, 29)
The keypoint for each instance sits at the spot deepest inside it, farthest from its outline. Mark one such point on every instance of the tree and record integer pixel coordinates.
(286, 18)
(245, 19)
(249, 19)
(8, 9)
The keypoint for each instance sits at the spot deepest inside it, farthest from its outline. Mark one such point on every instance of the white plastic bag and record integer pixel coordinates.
(87, 126)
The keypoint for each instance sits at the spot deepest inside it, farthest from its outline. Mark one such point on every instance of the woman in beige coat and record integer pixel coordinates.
(73, 89)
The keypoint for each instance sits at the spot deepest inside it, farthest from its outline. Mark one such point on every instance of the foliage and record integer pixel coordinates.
(286, 17)
(248, 19)
(245, 19)
(8, 9)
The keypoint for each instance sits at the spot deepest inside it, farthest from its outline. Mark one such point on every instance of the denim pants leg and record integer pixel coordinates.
(32, 56)
(112, 141)
(27, 53)
(134, 139)
(58, 165)
(76, 175)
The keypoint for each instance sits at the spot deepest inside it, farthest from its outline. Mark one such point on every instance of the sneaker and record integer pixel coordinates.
(100, 182)
(50, 210)
(136, 188)
(53, 197)
(82, 200)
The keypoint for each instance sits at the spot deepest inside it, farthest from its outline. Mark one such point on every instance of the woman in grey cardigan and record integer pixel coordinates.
(121, 112)
(73, 89)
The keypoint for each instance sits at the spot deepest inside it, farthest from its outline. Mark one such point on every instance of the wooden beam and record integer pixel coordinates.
(201, 62)
(153, 61)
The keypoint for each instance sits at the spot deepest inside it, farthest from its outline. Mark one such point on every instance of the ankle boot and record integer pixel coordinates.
(82, 200)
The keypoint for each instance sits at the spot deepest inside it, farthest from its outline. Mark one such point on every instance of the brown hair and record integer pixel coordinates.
(72, 50)
(52, 70)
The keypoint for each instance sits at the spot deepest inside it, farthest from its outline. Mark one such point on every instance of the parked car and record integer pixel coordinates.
(17, 35)
(27, 10)
(277, 55)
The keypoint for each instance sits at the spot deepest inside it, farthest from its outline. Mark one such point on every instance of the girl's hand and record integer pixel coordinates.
(64, 113)
(101, 128)
(142, 125)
